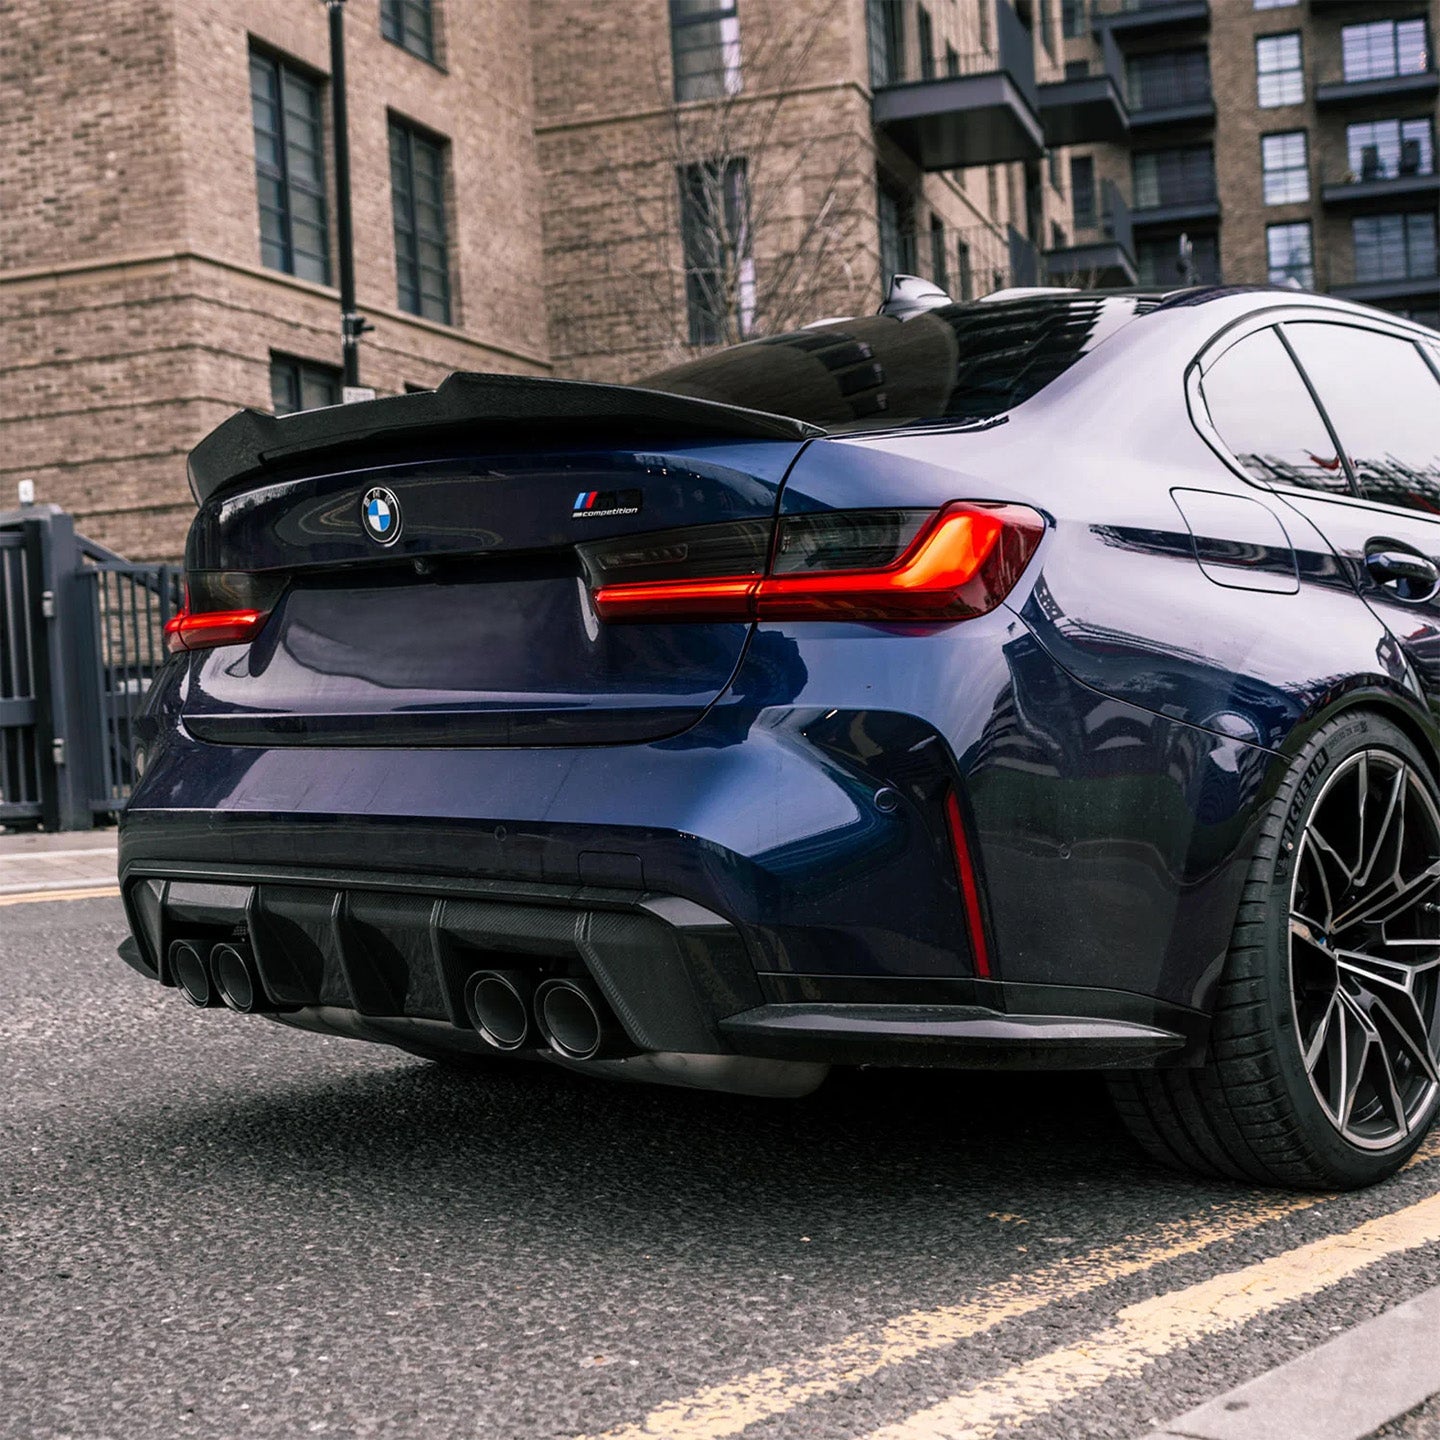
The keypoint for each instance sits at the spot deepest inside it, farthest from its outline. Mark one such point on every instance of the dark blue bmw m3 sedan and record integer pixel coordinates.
(1048, 681)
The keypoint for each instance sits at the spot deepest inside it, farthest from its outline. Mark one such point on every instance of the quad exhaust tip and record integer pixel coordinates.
(192, 975)
(576, 1021)
(498, 1004)
(236, 978)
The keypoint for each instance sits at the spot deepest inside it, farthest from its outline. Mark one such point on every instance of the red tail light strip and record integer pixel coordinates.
(962, 564)
(187, 631)
(969, 890)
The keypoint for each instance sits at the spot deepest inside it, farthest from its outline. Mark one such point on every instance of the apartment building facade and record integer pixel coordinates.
(597, 189)
(1280, 139)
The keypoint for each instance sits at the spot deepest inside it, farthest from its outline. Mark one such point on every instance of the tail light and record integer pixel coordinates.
(222, 607)
(949, 564)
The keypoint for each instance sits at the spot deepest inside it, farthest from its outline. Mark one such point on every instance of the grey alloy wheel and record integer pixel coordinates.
(1364, 945)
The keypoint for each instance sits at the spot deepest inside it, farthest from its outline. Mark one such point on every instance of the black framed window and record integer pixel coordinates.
(896, 213)
(925, 38)
(719, 261)
(1384, 49)
(1387, 149)
(1082, 191)
(1285, 168)
(1395, 247)
(705, 48)
(1184, 175)
(1279, 70)
(939, 260)
(1157, 262)
(417, 189)
(285, 108)
(410, 24)
(1171, 77)
(301, 384)
(885, 22)
(1290, 253)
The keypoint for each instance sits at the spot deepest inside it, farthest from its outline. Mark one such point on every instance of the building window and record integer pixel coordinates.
(1290, 253)
(1280, 76)
(1183, 176)
(410, 24)
(952, 60)
(1082, 191)
(896, 214)
(886, 24)
(719, 262)
(925, 39)
(1388, 149)
(1395, 247)
(1275, 4)
(963, 272)
(1072, 18)
(705, 47)
(1157, 262)
(1285, 168)
(301, 384)
(1383, 49)
(289, 169)
(417, 189)
(938, 257)
(1175, 77)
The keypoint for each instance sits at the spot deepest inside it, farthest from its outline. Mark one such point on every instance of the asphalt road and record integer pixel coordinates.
(210, 1225)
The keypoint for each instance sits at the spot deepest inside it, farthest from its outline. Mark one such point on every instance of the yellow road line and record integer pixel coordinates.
(1154, 1328)
(726, 1409)
(34, 897)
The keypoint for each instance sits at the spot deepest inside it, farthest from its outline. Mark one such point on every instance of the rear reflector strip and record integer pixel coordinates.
(969, 890)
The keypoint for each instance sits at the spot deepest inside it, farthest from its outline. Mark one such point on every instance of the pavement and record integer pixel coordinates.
(214, 1226)
(33, 862)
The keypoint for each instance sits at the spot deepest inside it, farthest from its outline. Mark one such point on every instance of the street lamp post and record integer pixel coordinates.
(352, 324)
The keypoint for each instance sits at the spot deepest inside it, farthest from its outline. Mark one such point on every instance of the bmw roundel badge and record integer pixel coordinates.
(380, 515)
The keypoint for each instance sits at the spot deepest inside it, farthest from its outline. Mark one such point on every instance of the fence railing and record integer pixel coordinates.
(81, 638)
(904, 48)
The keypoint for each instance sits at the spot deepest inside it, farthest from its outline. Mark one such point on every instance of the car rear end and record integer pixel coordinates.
(536, 718)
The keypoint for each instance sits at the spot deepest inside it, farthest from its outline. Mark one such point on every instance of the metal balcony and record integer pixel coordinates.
(1104, 253)
(1133, 20)
(1178, 209)
(1087, 109)
(1175, 96)
(986, 112)
(1407, 87)
(1380, 186)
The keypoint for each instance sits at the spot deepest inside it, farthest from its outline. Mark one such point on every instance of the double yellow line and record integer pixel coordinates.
(80, 892)
(1138, 1336)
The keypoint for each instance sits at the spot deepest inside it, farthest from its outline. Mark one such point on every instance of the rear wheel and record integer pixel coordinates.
(1324, 1063)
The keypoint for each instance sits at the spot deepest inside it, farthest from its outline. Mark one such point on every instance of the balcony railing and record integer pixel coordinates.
(952, 110)
(1169, 90)
(1401, 81)
(1088, 108)
(1102, 252)
(1382, 177)
(1389, 257)
(1135, 19)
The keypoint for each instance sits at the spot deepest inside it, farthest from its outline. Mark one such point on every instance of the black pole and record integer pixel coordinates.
(351, 325)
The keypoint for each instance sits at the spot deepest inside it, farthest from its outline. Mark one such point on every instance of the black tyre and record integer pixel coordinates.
(1323, 1070)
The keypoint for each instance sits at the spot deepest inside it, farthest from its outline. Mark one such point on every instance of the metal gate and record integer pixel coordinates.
(81, 638)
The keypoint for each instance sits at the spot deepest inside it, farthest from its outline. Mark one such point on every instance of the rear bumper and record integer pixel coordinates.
(386, 958)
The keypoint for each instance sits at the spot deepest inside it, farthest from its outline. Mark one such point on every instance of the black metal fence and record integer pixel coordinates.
(81, 637)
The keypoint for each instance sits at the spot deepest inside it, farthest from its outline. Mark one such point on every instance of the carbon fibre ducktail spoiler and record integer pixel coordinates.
(468, 407)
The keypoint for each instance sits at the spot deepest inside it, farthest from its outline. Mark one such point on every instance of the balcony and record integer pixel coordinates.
(1132, 20)
(1363, 87)
(1170, 92)
(1177, 209)
(985, 111)
(1087, 109)
(1100, 254)
(1384, 181)
(1393, 258)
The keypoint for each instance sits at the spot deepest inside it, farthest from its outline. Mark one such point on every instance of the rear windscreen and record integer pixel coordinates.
(959, 363)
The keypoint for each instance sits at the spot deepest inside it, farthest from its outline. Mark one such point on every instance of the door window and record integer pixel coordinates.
(1261, 409)
(1384, 402)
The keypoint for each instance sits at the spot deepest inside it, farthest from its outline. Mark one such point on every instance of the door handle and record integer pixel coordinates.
(1406, 575)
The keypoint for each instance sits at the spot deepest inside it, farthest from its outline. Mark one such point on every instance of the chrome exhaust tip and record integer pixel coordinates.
(236, 979)
(498, 1004)
(576, 1021)
(191, 975)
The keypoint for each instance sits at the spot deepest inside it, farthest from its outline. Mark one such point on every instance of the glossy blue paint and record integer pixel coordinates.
(1111, 731)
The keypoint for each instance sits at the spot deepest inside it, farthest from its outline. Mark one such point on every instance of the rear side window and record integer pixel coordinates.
(1384, 402)
(1261, 409)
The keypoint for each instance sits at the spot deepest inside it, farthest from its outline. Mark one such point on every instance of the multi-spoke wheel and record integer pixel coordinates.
(1323, 1067)
(1365, 948)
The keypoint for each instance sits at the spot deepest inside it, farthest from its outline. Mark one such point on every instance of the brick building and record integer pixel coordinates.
(594, 188)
